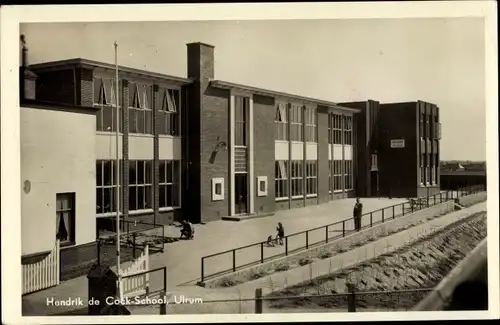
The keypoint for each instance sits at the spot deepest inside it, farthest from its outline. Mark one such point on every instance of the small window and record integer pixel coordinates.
(262, 186)
(218, 189)
(65, 218)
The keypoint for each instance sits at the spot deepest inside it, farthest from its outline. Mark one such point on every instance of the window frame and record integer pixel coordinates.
(136, 186)
(297, 179)
(297, 123)
(140, 104)
(281, 122)
(71, 230)
(311, 124)
(311, 178)
(174, 183)
(281, 178)
(101, 87)
(110, 189)
(169, 122)
(337, 175)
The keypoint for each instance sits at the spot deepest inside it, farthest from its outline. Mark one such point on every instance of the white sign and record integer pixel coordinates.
(398, 143)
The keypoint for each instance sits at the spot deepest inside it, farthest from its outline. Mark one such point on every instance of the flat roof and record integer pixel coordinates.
(61, 64)
(273, 93)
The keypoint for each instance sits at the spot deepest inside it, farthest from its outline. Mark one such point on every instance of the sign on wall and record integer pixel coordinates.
(398, 143)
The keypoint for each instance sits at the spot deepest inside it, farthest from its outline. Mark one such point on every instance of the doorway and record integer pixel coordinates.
(374, 184)
(241, 193)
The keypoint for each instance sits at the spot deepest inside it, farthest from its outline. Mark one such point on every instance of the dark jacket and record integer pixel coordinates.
(358, 210)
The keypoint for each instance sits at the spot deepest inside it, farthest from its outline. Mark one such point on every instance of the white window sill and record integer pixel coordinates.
(280, 199)
(141, 135)
(298, 142)
(311, 196)
(167, 136)
(108, 133)
(281, 141)
(337, 191)
(297, 197)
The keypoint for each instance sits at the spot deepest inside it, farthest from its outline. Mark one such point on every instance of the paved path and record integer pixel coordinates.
(183, 257)
(301, 274)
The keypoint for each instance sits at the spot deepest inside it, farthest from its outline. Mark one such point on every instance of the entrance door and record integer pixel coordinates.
(241, 195)
(374, 184)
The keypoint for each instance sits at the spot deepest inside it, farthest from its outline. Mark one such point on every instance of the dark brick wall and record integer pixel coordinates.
(84, 86)
(323, 162)
(56, 86)
(398, 167)
(264, 114)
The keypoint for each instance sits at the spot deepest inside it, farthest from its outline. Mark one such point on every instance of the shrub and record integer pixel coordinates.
(305, 261)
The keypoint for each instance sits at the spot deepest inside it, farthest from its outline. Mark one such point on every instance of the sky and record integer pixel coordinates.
(389, 60)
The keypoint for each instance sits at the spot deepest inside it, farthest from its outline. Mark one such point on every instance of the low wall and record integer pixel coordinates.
(473, 199)
(389, 226)
(465, 270)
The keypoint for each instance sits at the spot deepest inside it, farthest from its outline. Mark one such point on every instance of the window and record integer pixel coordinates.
(311, 124)
(347, 129)
(140, 112)
(336, 129)
(436, 170)
(262, 186)
(281, 179)
(140, 185)
(330, 180)
(217, 189)
(422, 169)
(105, 98)
(240, 117)
(337, 175)
(428, 176)
(169, 183)
(65, 218)
(297, 178)
(296, 123)
(311, 177)
(106, 183)
(168, 111)
(348, 172)
(281, 122)
(427, 125)
(421, 125)
(374, 164)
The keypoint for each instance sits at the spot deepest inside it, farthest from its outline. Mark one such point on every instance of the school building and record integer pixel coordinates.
(201, 149)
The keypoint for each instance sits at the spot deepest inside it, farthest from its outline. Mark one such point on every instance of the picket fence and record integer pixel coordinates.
(42, 274)
(135, 278)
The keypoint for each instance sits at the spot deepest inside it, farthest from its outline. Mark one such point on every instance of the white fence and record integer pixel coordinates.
(42, 274)
(135, 281)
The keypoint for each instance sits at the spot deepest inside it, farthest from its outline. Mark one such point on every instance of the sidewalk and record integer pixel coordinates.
(182, 258)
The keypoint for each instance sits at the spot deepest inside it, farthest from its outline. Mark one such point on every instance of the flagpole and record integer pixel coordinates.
(117, 196)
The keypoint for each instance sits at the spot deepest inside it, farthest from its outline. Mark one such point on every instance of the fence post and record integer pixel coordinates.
(202, 268)
(163, 305)
(133, 244)
(286, 246)
(262, 252)
(351, 299)
(258, 301)
(371, 219)
(393, 213)
(343, 228)
(383, 213)
(234, 260)
(326, 231)
(307, 239)
(403, 208)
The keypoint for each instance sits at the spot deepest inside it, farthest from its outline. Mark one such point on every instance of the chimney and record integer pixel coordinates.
(200, 61)
(26, 77)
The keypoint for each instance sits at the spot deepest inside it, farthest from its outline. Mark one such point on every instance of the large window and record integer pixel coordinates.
(65, 218)
(348, 175)
(330, 172)
(240, 118)
(336, 129)
(281, 179)
(140, 185)
(140, 109)
(169, 183)
(106, 183)
(337, 175)
(281, 122)
(297, 178)
(311, 177)
(296, 123)
(105, 98)
(347, 129)
(311, 124)
(168, 111)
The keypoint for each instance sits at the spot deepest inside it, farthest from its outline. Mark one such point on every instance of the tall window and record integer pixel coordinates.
(65, 218)
(105, 98)
(140, 185)
(106, 184)
(347, 129)
(337, 175)
(330, 170)
(348, 172)
(169, 183)
(240, 117)
(296, 123)
(168, 111)
(311, 124)
(297, 178)
(281, 178)
(422, 169)
(336, 129)
(436, 169)
(427, 125)
(140, 109)
(281, 122)
(311, 177)
(421, 125)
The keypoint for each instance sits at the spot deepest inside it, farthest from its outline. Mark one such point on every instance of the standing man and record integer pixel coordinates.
(357, 212)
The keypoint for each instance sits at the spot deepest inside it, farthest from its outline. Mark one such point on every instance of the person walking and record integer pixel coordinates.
(357, 213)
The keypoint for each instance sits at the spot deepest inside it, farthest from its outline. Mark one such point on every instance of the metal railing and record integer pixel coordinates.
(321, 235)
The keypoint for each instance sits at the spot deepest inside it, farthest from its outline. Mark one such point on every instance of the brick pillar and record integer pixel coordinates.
(156, 154)
(125, 147)
(323, 162)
